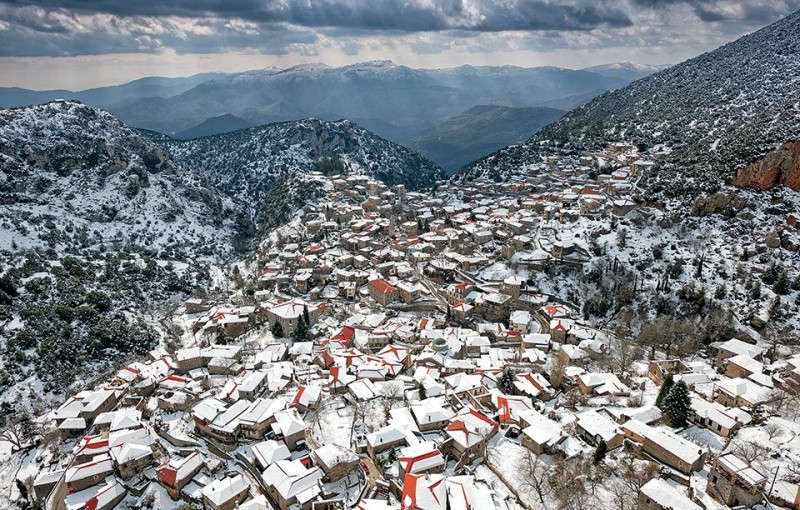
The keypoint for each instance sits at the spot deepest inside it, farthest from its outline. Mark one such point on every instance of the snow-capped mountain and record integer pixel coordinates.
(718, 112)
(626, 70)
(244, 164)
(381, 96)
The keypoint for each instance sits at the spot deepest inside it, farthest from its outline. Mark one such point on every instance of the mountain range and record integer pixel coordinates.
(396, 102)
(463, 138)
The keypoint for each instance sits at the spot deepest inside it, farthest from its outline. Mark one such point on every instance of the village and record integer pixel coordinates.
(392, 350)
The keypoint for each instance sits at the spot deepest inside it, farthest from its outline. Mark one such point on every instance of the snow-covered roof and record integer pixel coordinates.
(598, 425)
(736, 346)
(424, 492)
(291, 477)
(270, 451)
(667, 496)
(224, 490)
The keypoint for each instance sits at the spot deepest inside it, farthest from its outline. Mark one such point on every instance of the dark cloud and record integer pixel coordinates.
(409, 16)
(88, 27)
(756, 12)
(35, 32)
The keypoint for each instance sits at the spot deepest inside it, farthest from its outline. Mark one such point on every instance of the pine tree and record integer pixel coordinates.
(775, 309)
(277, 330)
(600, 451)
(305, 315)
(677, 405)
(782, 284)
(301, 331)
(666, 385)
(423, 393)
(771, 273)
(755, 292)
(506, 382)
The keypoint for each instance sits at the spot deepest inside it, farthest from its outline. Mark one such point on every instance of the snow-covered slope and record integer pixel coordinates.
(98, 229)
(72, 176)
(245, 164)
(719, 112)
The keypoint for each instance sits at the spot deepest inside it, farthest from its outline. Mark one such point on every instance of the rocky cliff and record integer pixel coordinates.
(779, 167)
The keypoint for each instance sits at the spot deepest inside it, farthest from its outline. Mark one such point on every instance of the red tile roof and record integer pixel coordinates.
(383, 286)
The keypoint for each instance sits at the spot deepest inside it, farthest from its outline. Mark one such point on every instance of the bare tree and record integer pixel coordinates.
(772, 430)
(750, 451)
(390, 393)
(636, 474)
(18, 429)
(783, 402)
(573, 483)
(535, 475)
(557, 368)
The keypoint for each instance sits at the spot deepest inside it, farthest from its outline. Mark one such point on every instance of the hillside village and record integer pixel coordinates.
(395, 350)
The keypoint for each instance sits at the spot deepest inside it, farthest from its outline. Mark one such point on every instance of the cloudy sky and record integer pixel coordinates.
(83, 43)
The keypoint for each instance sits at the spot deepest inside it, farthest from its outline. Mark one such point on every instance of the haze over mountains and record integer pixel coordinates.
(401, 104)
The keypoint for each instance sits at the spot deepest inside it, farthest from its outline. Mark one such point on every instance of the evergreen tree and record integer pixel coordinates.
(506, 382)
(677, 405)
(755, 292)
(775, 309)
(305, 315)
(771, 273)
(796, 282)
(666, 385)
(782, 284)
(277, 330)
(301, 331)
(600, 451)
(423, 393)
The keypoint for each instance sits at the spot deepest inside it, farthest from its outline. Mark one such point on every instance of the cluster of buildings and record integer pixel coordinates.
(401, 362)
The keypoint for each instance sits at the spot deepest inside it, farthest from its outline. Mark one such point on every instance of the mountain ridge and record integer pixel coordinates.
(245, 163)
(718, 112)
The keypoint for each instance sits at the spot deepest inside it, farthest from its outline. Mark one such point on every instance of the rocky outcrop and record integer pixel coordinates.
(779, 167)
(728, 203)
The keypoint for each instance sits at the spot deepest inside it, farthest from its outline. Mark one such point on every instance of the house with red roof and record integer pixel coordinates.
(470, 430)
(307, 397)
(178, 472)
(424, 492)
(383, 292)
(423, 457)
(97, 498)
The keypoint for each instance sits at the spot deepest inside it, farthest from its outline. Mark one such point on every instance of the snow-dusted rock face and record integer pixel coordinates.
(71, 175)
(719, 111)
(245, 164)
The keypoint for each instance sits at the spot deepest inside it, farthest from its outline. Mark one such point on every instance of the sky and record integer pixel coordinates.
(77, 44)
